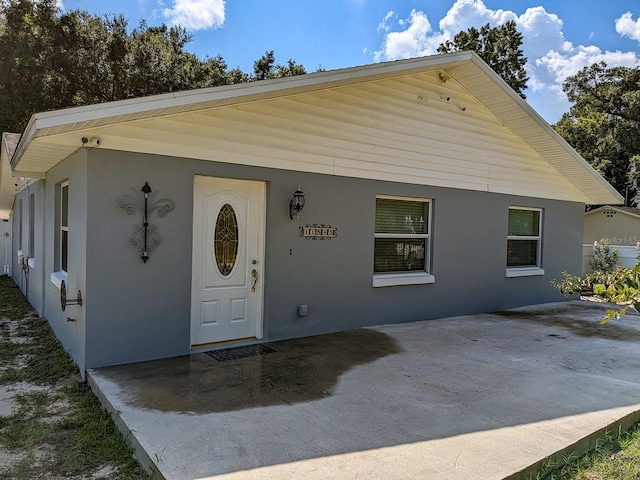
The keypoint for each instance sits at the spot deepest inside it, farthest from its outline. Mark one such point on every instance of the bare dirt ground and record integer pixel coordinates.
(51, 425)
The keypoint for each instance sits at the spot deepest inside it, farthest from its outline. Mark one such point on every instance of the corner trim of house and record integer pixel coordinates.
(391, 280)
(57, 278)
(524, 272)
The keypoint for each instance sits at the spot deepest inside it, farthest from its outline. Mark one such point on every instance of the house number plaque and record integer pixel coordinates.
(318, 232)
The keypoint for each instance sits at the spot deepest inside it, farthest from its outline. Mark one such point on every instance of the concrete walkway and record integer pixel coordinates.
(487, 396)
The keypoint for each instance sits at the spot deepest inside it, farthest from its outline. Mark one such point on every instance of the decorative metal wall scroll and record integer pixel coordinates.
(145, 238)
(318, 232)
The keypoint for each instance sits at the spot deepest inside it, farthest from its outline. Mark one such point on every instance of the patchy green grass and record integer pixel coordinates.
(12, 303)
(56, 428)
(616, 457)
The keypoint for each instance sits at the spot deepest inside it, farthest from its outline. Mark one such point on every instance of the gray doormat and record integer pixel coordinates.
(236, 353)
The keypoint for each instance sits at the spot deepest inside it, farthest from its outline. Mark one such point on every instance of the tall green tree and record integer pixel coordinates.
(265, 68)
(603, 124)
(27, 60)
(51, 59)
(499, 47)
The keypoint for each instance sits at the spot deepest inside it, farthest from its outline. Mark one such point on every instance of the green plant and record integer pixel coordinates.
(622, 287)
(615, 457)
(604, 259)
(572, 284)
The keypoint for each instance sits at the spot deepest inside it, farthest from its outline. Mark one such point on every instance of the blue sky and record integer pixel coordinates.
(560, 37)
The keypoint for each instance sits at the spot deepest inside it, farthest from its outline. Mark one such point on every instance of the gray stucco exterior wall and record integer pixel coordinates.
(69, 326)
(139, 311)
(28, 237)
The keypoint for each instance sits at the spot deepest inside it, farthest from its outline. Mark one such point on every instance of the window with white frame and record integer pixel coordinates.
(32, 225)
(64, 227)
(401, 239)
(20, 219)
(524, 237)
(61, 237)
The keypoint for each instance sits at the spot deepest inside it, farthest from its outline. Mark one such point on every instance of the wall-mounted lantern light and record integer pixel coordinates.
(296, 204)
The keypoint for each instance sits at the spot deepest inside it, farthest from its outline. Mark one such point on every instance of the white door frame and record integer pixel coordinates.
(256, 214)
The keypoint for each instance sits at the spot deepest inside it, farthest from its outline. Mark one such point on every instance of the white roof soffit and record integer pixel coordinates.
(466, 68)
(7, 182)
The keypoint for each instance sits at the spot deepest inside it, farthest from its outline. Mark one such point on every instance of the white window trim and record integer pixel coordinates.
(407, 278)
(528, 271)
(57, 278)
(515, 272)
(411, 278)
(64, 228)
(60, 275)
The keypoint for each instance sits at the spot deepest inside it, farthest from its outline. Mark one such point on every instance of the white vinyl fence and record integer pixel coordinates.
(627, 256)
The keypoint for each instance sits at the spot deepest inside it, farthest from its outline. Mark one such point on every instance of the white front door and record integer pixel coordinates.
(228, 251)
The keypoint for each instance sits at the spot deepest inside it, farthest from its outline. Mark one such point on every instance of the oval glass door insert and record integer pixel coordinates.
(226, 240)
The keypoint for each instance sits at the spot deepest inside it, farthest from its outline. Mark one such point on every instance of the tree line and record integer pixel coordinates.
(51, 59)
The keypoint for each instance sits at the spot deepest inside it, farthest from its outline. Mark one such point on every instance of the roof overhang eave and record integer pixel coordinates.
(80, 118)
(596, 190)
(608, 195)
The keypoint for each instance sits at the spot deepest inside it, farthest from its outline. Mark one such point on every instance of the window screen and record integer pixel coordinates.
(523, 238)
(401, 236)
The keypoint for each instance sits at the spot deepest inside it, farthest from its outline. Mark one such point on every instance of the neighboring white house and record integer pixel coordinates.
(7, 194)
(385, 193)
(620, 225)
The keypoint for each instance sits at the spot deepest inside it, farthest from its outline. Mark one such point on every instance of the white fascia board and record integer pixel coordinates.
(599, 209)
(25, 139)
(32, 175)
(320, 80)
(81, 118)
(610, 207)
(163, 104)
(547, 128)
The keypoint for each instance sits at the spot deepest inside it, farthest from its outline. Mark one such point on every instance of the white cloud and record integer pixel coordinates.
(551, 57)
(472, 13)
(415, 40)
(626, 27)
(196, 14)
(384, 23)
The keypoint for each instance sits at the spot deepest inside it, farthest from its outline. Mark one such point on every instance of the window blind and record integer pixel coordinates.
(401, 216)
(402, 231)
(524, 223)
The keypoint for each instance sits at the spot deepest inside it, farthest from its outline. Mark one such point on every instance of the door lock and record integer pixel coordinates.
(254, 274)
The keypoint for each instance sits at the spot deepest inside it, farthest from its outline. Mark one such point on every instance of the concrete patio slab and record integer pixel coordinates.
(488, 396)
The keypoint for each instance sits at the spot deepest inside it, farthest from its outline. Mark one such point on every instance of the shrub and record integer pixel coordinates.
(604, 259)
(622, 286)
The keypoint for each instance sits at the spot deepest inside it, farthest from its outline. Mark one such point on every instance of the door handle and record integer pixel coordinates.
(254, 274)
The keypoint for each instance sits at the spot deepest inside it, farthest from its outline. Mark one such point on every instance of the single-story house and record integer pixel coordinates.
(7, 192)
(394, 192)
(620, 226)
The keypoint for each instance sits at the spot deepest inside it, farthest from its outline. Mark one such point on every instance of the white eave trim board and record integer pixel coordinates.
(611, 207)
(31, 175)
(528, 110)
(494, 93)
(237, 93)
